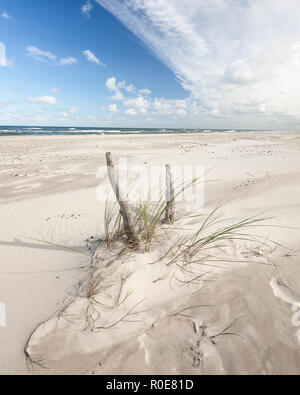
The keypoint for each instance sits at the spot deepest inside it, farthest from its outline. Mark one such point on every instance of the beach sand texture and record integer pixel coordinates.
(48, 192)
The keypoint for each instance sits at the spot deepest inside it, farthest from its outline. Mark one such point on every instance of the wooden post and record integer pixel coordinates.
(125, 211)
(170, 198)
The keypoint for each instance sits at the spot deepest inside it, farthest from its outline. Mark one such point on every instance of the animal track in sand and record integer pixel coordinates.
(197, 355)
(64, 216)
(252, 253)
(247, 183)
(203, 349)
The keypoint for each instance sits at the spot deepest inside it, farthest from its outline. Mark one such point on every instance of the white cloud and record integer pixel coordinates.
(48, 57)
(113, 108)
(5, 15)
(55, 90)
(145, 92)
(170, 107)
(214, 113)
(111, 84)
(87, 8)
(130, 88)
(43, 100)
(181, 112)
(142, 105)
(114, 86)
(92, 58)
(131, 111)
(232, 56)
(39, 55)
(68, 61)
(139, 103)
(117, 96)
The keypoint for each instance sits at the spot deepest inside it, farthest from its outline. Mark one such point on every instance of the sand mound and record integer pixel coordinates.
(145, 315)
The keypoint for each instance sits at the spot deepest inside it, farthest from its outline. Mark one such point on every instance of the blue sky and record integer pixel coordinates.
(140, 63)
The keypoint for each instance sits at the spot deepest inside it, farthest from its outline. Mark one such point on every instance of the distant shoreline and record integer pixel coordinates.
(76, 131)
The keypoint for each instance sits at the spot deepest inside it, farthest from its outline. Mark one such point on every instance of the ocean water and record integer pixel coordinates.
(49, 131)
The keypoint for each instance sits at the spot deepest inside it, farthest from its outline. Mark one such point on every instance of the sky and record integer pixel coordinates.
(144, 63)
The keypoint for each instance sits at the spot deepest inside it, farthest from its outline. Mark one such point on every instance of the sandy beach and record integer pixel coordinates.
(48, 193)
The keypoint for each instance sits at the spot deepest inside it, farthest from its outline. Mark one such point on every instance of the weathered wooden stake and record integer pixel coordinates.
(125, 211)
(170, 198)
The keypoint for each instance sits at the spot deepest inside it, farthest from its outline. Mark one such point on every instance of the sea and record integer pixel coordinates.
(65, 131)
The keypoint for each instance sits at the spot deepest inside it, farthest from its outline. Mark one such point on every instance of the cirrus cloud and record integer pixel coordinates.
(238, 59)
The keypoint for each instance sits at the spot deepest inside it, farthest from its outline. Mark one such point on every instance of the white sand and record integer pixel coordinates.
(48, 192)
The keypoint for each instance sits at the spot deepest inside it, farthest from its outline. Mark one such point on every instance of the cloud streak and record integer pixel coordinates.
(239, 59)
(68, 61)
(39, 55)
(92, 58)
(48, 57)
